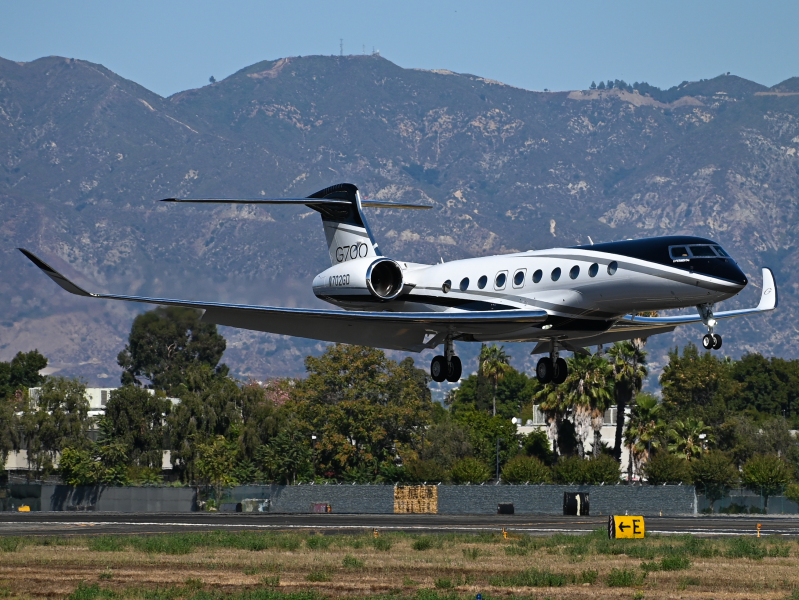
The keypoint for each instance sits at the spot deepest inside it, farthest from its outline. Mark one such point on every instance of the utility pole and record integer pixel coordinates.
(498, 441)
(341, 46)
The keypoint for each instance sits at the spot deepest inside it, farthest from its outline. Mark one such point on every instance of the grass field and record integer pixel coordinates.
(291, 566)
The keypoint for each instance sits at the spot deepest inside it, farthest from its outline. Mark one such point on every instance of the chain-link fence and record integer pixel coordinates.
(732, 501)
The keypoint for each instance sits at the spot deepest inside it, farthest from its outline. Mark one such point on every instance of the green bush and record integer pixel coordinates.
(317, 542)
(10, 544)
(667, 468)
(91, 592)
(351, 562)
(521, 469)
(270, 581)
(107, 543)
(674, 563)
(382, 543)
(625, 578)
(472, 553)
(318, 576)
(444, 584)
(603, 469)
(745, 548)
(532, 578)
(766, 474)
(470, 470)
(427, 542)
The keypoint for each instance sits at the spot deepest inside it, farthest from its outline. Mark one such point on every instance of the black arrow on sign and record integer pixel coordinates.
(622, 527)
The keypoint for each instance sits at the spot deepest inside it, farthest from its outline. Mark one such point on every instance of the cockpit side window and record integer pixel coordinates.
(702, 251)
(679, 252)
(720, 251)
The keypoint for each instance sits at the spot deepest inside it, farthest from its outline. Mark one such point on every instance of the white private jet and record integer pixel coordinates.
(561, 298)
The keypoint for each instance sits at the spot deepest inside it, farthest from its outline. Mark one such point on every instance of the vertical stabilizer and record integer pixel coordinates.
(347, 234)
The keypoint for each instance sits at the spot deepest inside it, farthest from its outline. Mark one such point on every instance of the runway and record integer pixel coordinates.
(91, 523)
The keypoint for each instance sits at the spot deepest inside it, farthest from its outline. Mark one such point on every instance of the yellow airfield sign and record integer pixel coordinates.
(625, 526)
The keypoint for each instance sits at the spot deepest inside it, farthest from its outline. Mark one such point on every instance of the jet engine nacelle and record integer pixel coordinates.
(381, 279)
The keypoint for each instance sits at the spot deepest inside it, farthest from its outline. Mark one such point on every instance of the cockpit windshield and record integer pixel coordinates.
(683, 253)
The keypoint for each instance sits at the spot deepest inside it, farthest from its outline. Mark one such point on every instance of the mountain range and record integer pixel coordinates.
(85, 154)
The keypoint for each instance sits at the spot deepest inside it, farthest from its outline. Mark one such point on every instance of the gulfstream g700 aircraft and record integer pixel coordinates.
(561, 298)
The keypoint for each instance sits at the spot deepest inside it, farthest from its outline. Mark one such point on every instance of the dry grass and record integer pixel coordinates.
(256, 566)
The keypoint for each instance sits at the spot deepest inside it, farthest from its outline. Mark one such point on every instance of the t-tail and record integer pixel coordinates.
(346, 230)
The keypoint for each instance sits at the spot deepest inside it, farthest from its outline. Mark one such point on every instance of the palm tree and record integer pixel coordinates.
(589, 388)
(690, 438)
(629, 370)
(551, 399)
(494, 363)
(643, 431)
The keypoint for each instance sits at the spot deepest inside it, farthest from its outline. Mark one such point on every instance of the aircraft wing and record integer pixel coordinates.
(396, 331)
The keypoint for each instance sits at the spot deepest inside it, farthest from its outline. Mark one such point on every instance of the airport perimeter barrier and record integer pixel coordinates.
(365, 499)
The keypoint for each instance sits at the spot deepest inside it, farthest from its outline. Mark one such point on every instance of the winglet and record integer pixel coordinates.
(55, 275)
(768, 297)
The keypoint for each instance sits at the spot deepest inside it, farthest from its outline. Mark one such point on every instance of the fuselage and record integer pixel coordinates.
(575, 285)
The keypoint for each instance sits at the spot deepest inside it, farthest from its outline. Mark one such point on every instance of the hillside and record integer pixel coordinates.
(86, 153)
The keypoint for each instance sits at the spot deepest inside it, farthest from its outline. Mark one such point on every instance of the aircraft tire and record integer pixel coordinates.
(716, 341)
(561, 371)
(708, 343)
(438, 369)
(455, 370)
(543, 370)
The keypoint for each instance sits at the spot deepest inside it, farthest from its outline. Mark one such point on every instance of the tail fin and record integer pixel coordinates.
(348, 236)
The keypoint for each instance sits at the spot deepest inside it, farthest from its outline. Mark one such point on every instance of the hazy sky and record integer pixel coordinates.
(169, 46)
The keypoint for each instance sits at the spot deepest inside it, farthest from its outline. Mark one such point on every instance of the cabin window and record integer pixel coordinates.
(574, 272)
(501, 280)
(518, 278)
(678, 252)
(481, 283)
(555, 273)
(702, 251)
(593, 270)
(537, 276)
(464, 284)
(613, 267)
(447, 286)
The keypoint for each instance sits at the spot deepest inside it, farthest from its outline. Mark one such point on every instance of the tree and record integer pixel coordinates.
(601, 85)
(643, 431)
(575, 470)
(470, 470)
(589, 388)
(766, 475)
(526, 469)
(216, 460)
(714, 473)
(629, 371)
(135, 418)
(593, 85)
(209, 406)
(9, 428)
(663, 468)
(766, 386)
(287, 455)
(536, 444)
(475, 392)
(446, 443)
(494, 364)
(485, 431)
(690, 438)
(697, 385)
(21, 373)
(56, 418)
(361, 407)
(212, 79)
(164, 343)
(552, 401)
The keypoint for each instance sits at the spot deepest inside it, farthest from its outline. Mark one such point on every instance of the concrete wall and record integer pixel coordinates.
(367, 499)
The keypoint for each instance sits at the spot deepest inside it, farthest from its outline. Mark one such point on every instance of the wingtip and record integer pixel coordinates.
(55, 275)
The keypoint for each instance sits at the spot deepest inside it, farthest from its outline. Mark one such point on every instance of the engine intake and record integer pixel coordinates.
(384, 279)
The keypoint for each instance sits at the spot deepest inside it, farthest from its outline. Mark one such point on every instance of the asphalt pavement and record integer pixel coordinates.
(94, 523)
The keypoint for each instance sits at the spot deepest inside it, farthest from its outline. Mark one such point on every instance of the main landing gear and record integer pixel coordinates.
(552, 368)
(711, 341)
(447, 367)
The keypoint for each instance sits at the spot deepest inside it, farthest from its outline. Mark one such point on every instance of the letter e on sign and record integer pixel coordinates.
(626, 526)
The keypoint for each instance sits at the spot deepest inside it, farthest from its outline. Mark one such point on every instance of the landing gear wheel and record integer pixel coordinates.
(561, 371)
(544, 370)
(438, 369)
(716, 341)
(455, 370)
(708, 343)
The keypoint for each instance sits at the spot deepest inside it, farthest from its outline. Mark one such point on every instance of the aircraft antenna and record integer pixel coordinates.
(590, 240)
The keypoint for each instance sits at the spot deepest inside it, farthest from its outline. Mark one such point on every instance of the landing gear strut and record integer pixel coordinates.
(711, 341)
(552, 368)
(447, 367)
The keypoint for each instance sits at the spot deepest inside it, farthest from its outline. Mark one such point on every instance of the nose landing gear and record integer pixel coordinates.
(711, 341)
(447, 367)
(552, 368)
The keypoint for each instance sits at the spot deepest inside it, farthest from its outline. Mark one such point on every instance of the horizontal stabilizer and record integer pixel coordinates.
(305, 201)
